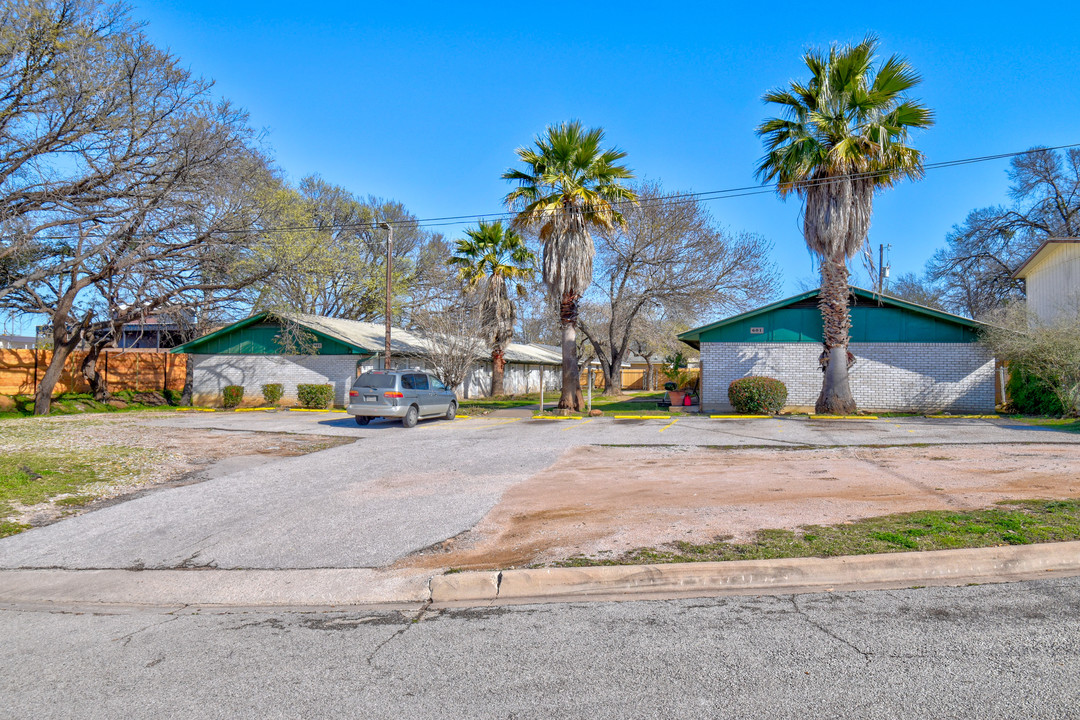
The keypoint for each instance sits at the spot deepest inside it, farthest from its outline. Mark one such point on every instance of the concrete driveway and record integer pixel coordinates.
(395, 491)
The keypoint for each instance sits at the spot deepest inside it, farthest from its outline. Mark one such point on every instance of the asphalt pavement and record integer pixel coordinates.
(992, 651)
(395, 491)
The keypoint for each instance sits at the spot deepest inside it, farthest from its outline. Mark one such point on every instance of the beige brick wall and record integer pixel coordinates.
(911, 377)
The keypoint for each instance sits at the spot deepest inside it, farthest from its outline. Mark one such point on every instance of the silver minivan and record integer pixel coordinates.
(406, 394)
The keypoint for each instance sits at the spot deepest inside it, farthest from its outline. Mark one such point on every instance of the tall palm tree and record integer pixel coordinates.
(569, 186)
(489, 259)
(842, 136)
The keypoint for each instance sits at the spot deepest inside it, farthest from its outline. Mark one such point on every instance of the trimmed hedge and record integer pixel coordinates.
(757, 395)
(315, 396)
(272, 393)
(232, 395)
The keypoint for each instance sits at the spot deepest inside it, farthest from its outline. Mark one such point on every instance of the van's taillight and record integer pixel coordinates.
(353, 393)
(393, 394)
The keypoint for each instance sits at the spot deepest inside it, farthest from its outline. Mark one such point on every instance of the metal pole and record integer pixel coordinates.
(590, 389)
(389, 264)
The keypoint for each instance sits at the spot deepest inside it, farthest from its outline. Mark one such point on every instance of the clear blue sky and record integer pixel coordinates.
(426, 102)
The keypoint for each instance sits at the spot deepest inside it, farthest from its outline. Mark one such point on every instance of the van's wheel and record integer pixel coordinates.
(451, 411)
(411, 417)
(362, 419)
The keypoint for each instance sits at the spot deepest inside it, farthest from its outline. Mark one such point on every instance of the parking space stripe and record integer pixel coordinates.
(578, 425)
(669, 424)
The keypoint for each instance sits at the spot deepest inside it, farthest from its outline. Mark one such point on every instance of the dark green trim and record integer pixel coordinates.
(901, 321)
(243, 344)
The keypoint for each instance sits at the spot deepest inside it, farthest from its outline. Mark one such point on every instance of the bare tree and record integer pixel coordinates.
(673, 260)
(912, 288)
(453, 340)
(118, 173)
(975, 269)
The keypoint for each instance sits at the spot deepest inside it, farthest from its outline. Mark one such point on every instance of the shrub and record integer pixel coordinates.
(1031, 396)
(173, 397)
(272, 393)
(315, 396)
(753, 395)
(231, 395)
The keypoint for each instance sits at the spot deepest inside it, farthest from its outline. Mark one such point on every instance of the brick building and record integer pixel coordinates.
(255, 351)
(909, 358)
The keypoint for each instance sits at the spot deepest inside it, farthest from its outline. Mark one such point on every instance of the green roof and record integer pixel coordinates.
(884, 319)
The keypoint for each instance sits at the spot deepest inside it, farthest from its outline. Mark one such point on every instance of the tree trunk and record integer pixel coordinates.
(835, 397)
(613, 378)
(646, 382)
(95, 379)
(498, 366)
(61, 352)
(571, 399)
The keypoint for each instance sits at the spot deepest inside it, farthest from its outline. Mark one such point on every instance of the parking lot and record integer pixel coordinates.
(498, 491)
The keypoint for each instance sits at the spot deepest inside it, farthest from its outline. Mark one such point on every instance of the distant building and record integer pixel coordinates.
(249, 353)
(1052, 277)
(17, 342)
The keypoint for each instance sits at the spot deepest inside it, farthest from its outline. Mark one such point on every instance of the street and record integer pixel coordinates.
(991, 651)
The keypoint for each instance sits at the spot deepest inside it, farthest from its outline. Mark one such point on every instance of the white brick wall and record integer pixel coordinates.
(912, 377)
(211, 373)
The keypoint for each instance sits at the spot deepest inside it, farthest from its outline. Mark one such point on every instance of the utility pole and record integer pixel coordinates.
(389, 260)
(883, 269)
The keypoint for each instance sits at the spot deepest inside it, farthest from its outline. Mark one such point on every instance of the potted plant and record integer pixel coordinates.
(678, 378)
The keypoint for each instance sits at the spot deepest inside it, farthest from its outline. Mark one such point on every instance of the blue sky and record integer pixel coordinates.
(426, 102)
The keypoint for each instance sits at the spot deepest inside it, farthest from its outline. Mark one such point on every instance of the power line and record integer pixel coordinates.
(706, 196)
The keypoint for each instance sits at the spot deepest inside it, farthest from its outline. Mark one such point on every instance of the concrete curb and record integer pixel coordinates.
(244, 588)
(942, 567)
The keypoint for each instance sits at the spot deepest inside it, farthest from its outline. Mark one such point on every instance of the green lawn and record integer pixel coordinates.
(1065, 424)
(1009, 523)
(30, 477)
(76, 404)
(642, 403)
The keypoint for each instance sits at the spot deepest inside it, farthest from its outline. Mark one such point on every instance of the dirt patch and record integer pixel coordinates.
(600, 500)
(163, 457)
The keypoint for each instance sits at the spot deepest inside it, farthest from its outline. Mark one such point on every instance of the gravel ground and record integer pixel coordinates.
(145, 455)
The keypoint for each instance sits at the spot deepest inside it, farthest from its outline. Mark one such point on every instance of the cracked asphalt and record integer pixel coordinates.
(991, 651)
(394, 491)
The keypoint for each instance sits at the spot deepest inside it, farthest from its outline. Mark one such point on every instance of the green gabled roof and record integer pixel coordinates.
(693, 337)
(322, 334)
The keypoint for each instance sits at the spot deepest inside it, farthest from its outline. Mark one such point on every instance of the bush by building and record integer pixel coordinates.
(232, 395)
(315, 396)
(757, 395)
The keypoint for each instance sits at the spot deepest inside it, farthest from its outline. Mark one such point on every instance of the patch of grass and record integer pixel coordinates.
(77, 404)
(11, 528)
(1064, 424)
(1009, 523)
(29, 478)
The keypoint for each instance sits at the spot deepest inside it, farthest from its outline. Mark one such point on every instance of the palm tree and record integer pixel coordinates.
(569, 186)
(490, 258)
(842, 136)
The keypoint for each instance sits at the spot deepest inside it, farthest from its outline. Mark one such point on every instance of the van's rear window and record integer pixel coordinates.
(375, 380)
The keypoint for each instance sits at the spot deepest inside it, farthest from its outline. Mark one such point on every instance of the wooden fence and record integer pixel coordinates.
(130, 369)
(633, 378)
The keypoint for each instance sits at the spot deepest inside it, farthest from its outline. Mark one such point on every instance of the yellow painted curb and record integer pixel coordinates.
(843, 417)
(557, 417)
(963, 417)
(642, 417)
(195, 409)
(313, 410)
(741, 417)
(463, 417)
(252, 409)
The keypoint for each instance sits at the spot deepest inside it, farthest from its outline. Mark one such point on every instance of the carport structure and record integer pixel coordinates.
(908, 358)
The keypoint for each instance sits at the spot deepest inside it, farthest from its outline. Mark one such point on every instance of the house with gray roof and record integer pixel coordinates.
(258, 350)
